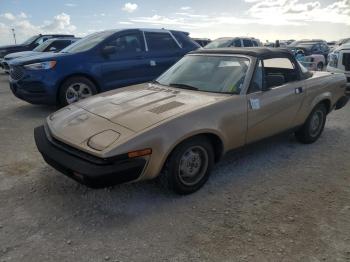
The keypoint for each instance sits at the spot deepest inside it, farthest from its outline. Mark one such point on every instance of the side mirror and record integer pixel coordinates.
(53, 49)
(274, 80)
(109, 50)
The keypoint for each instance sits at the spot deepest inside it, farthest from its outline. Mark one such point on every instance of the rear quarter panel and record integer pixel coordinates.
(321, 86)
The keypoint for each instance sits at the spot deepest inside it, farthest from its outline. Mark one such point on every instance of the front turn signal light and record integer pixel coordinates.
(138, 153)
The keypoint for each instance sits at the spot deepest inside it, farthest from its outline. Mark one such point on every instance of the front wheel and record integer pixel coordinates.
(75, 89)
(314, 125)
(189, 166)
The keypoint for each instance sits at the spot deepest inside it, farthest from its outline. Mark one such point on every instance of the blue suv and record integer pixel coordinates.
(97, 63)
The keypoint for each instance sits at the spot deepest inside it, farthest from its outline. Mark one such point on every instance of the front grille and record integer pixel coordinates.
(16, 72)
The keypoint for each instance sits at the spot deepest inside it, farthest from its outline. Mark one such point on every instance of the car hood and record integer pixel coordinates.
(124, 112)
(40, 57)
(141, 106)
(21, 54)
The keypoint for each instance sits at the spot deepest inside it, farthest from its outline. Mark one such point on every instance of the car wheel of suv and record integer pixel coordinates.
(320, 66)
(314, 125)
(75, 89)
(189, 166)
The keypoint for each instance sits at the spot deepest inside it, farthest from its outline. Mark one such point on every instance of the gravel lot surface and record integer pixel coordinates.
(277, 200)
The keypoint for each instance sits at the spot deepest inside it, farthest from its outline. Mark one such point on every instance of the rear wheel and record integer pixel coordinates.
(75, 89)
(189, 166)
(314, 125)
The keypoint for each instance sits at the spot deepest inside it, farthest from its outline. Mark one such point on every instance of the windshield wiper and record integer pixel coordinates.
(183, 86)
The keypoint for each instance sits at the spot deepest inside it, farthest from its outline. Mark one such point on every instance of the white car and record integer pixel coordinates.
(339, 62)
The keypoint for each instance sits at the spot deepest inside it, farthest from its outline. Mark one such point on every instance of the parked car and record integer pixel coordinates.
(52, 45)
(28, 45)
(312, 47)
(311, 62)
(97, 63)
(339, 62)
(211, 101)
(202, 41)
(234, 42)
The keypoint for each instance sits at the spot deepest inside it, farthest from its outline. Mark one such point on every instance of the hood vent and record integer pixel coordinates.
(165, 107)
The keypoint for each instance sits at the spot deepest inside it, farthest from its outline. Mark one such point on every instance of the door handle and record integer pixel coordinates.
(298, 90)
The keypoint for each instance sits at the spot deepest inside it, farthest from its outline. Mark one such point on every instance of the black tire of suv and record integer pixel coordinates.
(171, 174)
(62, 101)
(304, 134)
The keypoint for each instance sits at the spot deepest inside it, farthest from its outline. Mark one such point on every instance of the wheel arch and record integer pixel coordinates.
(325, 99)
(215, 140)
(92, 79)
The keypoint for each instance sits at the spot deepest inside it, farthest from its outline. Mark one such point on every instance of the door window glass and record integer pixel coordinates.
(58, 45)
(129, 43)
(160, 41)
(237, 43)
(247, 43)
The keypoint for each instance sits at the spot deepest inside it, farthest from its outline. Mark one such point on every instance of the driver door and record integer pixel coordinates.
(127, 65)
(273, 109)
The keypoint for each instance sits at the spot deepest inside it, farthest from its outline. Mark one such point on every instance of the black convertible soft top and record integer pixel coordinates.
(259, 52)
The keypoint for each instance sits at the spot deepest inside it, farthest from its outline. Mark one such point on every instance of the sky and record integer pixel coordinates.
(263, 19)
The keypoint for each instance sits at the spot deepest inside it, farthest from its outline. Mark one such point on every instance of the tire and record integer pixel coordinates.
(314, 125)
(189, 166)
(320, 66)
(74, 89)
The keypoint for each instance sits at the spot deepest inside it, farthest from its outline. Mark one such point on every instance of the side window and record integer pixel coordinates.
(160, 41)
(247, 43)
(129, 43)
(316, 48)
(255, 43)
(41, 40)
(278, 71)
(257, 81)
(237, 43)
(58, 45)
(184, 40)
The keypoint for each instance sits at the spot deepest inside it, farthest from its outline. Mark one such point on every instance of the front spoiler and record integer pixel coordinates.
(91, 171)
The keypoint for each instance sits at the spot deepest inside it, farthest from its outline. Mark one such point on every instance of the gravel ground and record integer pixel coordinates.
(277, 200)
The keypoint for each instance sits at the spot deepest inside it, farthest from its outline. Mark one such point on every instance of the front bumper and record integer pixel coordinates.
(87, 169)
(33, 87)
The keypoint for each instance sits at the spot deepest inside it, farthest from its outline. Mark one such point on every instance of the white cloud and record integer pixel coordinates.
(130, 7)
(8, 16)
(185, 8)
(70, 4)
(126, 23)
(294, 12)
(22, 15)
(60, 23)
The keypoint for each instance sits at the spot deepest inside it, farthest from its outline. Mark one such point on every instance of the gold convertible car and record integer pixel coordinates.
(178, 126)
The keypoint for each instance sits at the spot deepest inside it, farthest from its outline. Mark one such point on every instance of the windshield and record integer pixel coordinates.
(30, 40)
(43, 46)
(87, 42)
(223, 42)
(220, 74)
